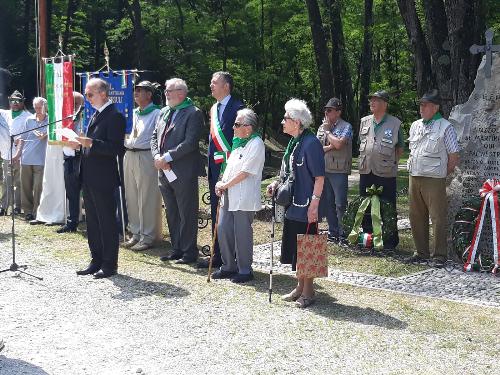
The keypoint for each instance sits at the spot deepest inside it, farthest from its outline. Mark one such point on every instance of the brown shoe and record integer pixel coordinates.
(140, 246)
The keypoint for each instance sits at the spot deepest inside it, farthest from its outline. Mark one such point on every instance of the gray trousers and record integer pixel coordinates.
(181, 202)
(235, 235)
(334, 199)
(31, 187)
(6, 195)
(142, 195)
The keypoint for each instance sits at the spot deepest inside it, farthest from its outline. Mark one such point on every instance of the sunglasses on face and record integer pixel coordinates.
(15, 101)
(89, 95)
(167, 91)
(239, 125)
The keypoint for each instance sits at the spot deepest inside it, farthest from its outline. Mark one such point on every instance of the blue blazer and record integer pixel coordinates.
(226, 123)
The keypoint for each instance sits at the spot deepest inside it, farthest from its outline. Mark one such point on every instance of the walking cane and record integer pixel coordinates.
(121, 198)
(214, 238)
(272, 247)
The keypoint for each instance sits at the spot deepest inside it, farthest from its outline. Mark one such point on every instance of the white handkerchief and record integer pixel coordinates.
(170, 175)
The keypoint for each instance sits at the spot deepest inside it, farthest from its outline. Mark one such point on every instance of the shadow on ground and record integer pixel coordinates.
(326, 305)
(14, 366)
(131, 287)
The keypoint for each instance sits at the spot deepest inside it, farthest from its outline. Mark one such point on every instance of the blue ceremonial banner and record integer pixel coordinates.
(121, 94)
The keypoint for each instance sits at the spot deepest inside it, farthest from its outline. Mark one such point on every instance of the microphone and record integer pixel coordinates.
(77, 113)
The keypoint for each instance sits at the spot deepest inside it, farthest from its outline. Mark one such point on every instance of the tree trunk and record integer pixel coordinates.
(423, 71)
(340, 69)
(134, 12)
(70, 10)
(462, 34)
(366, 58)
(320, 51)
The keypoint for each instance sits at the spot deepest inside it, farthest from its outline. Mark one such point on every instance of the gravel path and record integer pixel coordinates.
(165, 319)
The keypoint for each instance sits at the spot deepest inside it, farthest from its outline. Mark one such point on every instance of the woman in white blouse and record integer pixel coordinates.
(239, 190)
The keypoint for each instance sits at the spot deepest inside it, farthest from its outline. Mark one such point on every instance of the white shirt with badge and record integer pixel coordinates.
(246, 195)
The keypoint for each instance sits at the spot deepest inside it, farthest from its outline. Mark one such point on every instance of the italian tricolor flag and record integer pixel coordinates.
(59, 88)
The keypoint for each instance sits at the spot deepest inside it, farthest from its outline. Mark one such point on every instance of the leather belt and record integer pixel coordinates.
(138, 149)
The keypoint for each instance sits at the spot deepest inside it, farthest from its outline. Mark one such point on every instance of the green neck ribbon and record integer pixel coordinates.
(242, 142)
(291, 145)
(373, 198)
(186, 103)
(437, 116)
(146, 111)
(16, 113)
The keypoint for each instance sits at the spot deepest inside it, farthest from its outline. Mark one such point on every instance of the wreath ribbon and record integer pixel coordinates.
(373, 198)
(488, 193)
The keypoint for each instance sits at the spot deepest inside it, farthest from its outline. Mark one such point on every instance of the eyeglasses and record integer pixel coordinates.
(167, 91)
(239, 125)
(287, 118)
(89, 95)
(15, 101)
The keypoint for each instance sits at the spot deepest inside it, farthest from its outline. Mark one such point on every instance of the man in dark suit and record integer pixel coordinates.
(175, 149)
(220, 140)
(99, 175)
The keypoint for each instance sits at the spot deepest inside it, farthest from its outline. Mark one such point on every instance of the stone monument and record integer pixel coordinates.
(477, 124)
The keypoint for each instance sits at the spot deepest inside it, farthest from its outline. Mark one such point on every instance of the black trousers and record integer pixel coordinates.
(73, 186)
(102, 229)
(388, 194)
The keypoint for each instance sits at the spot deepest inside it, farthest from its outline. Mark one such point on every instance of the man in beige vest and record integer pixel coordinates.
(381, 145)
(335, 135)
(433, 156)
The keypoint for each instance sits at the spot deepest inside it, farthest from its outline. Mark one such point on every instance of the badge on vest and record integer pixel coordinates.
(387, 136)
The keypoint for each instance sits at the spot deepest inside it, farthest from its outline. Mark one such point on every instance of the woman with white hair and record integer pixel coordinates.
(305, 158)
(239, 190)
(31, 149)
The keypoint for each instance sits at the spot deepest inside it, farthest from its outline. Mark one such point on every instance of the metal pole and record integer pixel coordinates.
(272, 248)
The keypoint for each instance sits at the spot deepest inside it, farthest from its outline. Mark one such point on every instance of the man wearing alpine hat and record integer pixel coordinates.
(433, 156)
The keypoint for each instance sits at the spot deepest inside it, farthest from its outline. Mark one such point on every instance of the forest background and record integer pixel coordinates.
(275, 50)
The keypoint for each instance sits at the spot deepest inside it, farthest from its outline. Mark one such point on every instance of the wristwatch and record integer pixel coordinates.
(315, 197)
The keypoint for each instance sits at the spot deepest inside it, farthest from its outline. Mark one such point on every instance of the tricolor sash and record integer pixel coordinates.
(489, 193)
(221, 144)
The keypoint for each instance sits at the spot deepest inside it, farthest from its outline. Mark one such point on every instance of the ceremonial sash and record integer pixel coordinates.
(489, 193)
(221, 144)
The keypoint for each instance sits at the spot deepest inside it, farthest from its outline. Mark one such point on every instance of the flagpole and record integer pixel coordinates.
(42, 43)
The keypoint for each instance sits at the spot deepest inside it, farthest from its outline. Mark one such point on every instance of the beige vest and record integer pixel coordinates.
(428, 155)
(337, 161)
(377, 152)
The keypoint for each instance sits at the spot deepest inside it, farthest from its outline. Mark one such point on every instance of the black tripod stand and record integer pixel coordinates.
(14, 267)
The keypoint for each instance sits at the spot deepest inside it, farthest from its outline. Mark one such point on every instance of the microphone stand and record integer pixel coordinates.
(14, 267)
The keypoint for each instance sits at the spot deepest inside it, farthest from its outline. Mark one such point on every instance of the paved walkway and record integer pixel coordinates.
(475, 288)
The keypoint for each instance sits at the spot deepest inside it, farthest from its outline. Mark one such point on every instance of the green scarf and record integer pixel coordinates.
(146, 111)
(186, 103)
(16, 113)
(291, 145)
(242, 142)
(437, 116)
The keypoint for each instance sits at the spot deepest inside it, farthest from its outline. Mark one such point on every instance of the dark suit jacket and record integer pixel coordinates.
(226, 124)
(99, 169)
(181, 141)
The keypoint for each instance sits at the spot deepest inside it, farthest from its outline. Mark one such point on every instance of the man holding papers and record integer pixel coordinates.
(99, 175)
(175, 150)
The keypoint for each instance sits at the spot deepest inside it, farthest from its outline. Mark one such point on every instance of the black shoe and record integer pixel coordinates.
(173, 256)
(242, 278)
(204, 262)
(29, 217)
(92, 268)
(102, 274)
(186, 260)
(332, 239)
(220, 274)
(35, 222)
(3, 212)
(17, 211)
(66, 228)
